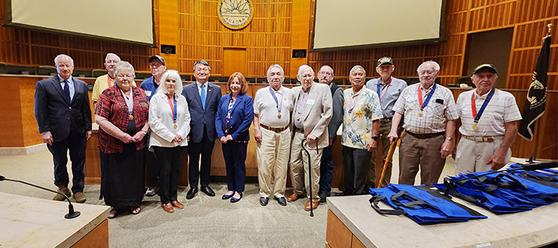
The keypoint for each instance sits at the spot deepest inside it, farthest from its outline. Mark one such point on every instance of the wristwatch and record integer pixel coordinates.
(375, 137)
(449, 138)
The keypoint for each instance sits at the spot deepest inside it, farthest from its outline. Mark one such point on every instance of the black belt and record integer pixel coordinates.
(424, 136)
(300, 130)
(275, 129)
(385, 120)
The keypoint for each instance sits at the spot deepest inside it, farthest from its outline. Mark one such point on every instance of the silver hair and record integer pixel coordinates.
(62, 56)
(111, 54)
(124, 65)
(302, 67)
(436, 65)
(202, 62)
(174, 75)
(323, 68)
(275, 66)
(357, 67)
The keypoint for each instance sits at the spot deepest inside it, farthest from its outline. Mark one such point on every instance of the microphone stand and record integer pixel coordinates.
(71, 213)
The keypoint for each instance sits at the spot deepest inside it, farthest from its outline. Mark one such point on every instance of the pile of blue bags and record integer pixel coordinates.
(516, 189)
(421, 204)
(509, 191)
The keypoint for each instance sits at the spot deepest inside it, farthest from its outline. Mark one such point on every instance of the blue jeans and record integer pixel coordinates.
(326, 170)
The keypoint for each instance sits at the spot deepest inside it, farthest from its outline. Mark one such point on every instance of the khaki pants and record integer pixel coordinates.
(299, 165)
(273, 158)
(426, 152)
(471, 155)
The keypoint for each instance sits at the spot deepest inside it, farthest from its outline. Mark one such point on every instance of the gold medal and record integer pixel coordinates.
(175, 126)
(475, 126)
(131, 117)
(420, 113)
(279, 115)
(298, 118)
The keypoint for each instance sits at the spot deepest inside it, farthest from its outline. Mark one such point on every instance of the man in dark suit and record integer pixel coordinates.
(203, 100)
(64, 119)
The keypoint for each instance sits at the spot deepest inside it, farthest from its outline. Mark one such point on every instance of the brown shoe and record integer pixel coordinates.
(314, 205)
(64, 190)
(292, 197)
(177, 204)
(79, 197)
(168, 207)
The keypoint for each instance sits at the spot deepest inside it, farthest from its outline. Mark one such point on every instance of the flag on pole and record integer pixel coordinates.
(536, 96)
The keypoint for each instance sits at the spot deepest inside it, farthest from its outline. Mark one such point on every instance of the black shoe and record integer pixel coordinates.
(282, 201)
(191, 193)
(343, 194)
(233, 200)
(226, 197)
(207, 190)
(264, 200)
(323, 197)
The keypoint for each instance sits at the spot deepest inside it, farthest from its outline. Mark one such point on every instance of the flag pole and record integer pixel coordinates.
(533, 157)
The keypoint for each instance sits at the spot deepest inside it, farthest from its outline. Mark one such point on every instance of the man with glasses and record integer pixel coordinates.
(203, 100)
(157, 66)
(430, 116)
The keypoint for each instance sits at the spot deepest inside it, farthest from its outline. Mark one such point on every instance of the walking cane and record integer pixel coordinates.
(390, 152)
(309, 174)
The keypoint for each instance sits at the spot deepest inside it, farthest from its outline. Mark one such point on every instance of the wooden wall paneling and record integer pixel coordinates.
(234, 60)
(168, 30)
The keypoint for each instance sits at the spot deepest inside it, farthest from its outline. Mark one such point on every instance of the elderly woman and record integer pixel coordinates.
(121, 113)
(169, 120)
(232, 121)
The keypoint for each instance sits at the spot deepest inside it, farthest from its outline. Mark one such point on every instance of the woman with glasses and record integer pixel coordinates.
(121, 113)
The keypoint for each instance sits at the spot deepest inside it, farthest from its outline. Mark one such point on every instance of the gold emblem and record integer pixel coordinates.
(279, 116)
(175, 126)
(475, 126)
(420, 113)
(235, 14)
(131, 117)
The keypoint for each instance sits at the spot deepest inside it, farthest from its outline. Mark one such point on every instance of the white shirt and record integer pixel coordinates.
(502, 108)
(161, 121)
(266, 107)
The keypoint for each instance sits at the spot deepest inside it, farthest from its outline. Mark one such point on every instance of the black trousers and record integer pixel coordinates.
(197, 172)
(151, 166)
(355, 164)
(59, 150)
(169, 160)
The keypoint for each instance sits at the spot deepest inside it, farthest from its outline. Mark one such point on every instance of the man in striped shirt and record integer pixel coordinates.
(488, 124)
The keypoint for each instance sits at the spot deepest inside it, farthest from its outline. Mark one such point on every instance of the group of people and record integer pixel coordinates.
(147, 128)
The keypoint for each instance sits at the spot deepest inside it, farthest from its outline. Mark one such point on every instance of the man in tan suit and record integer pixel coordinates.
(311, 115)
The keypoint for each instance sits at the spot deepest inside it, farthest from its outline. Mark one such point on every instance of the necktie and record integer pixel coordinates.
(203, 96)
(67, 90)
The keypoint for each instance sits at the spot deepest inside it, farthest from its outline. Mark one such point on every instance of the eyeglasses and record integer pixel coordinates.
(426, 72)
(124, 76)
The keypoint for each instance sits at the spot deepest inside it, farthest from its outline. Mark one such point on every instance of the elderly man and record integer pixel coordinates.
(64, 119)
(325, 76)
(203, 101)
(361, 115)
(311, 115)
(105, 81)
(388, 89)
(488, 124)
(272, 113)
(429, 124)
(158, 66)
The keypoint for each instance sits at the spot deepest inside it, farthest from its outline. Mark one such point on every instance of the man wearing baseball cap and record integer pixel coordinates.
(388, 89)
(157, 66)
(488, 124)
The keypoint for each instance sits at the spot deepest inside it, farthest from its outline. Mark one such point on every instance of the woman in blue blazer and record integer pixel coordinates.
(232, 122)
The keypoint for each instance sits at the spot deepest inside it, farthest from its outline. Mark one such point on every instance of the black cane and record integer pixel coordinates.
(309, 176)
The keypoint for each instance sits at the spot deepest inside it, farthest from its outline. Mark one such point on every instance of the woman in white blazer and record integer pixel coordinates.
(169, 120)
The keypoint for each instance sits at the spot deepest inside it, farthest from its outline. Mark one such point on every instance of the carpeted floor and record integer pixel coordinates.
(205, 221)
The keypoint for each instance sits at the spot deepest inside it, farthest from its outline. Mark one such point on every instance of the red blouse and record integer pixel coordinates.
(112, 106)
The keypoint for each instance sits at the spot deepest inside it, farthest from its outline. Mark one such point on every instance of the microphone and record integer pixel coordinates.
(71, 213)
(532, 157)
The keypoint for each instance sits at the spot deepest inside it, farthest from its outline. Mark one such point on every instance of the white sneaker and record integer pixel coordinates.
(150, 191)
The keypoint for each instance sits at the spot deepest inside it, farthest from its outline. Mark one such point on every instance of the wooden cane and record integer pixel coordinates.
(390, 152)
